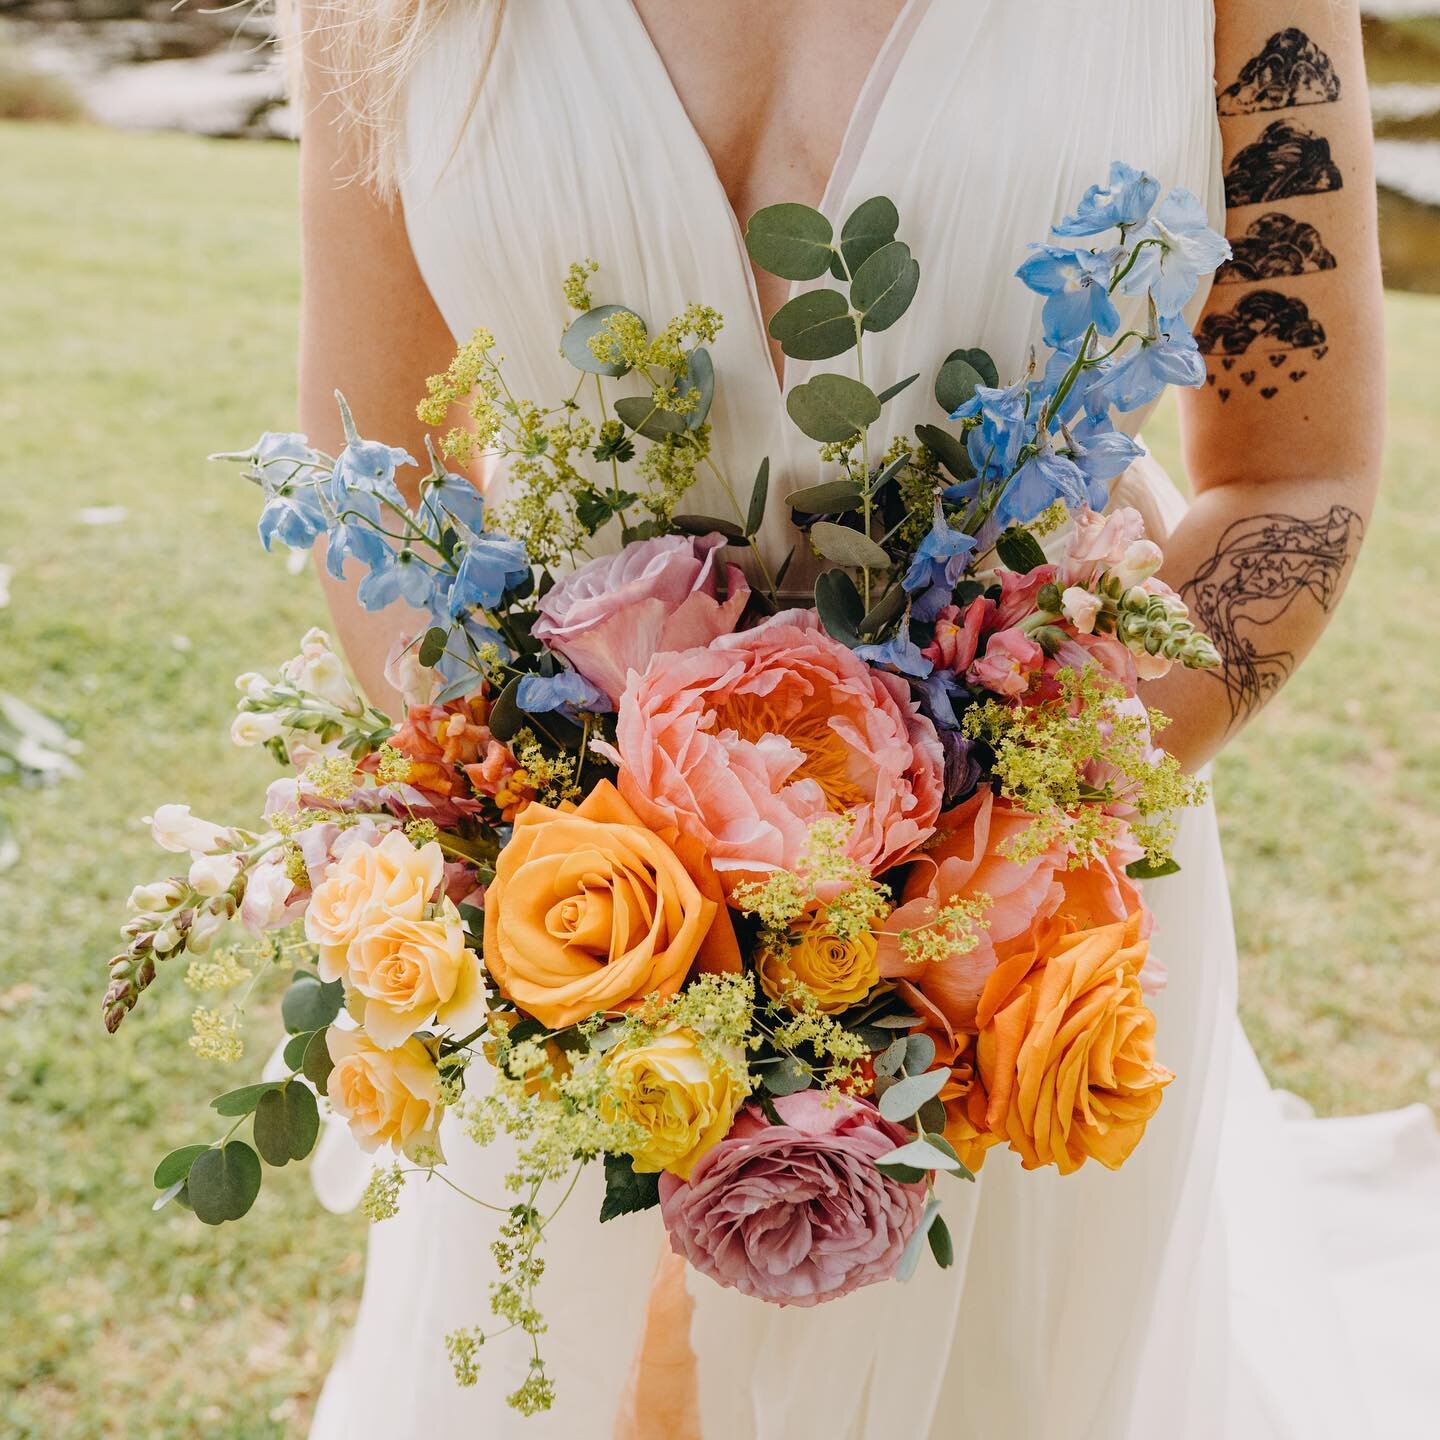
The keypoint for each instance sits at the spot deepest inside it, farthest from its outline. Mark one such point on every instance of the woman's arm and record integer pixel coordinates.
(369, 328)
(1282, 445)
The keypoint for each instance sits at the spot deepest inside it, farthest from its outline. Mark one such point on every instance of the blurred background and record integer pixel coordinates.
(147, 317)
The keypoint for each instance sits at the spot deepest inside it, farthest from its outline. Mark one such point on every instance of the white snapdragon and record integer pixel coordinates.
(250, 728)
(252, 686)
(264, 907)
(176, 829)
(317, 670)
(203, 930)
(1081, 608)
(213, 874)
(1141, 560)
(155, 898)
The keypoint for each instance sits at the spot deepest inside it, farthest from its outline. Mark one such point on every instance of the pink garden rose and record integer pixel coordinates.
(613, 614)
(741, 746)
(797, 1213)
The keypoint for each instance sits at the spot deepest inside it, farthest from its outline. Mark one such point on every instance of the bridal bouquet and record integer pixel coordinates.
(781, 913)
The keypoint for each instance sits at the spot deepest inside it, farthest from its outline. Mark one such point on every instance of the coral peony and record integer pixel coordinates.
(743, 745)
(613, 614)
(795, 1213)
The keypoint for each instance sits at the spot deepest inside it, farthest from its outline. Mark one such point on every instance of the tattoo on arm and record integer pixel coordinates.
(1291, 70)
(1260, 567)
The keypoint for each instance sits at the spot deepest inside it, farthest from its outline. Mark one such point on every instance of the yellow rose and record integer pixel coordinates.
(1066, 1048)
(404, 971)
(387, 1096)
(839, 973)
(590, 911)
(391, 878)
(684, 1100)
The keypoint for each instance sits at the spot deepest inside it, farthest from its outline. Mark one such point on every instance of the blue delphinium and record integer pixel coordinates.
(354, 539)
(566, 691)
(1172, 251)
(1167, 356)
(1101, 453)
(368, 467)
(455, 495)
(899, 653)
(490, 566)
(1042, 480)
(1075, 284)
(939, 562)
(1126, 199)
(406, 576)
(287, 470)
(1005, 427)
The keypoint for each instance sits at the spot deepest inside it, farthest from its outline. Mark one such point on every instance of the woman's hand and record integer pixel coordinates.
(1282, 445)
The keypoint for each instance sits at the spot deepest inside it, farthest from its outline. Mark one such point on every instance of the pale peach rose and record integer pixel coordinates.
(743, 745)
(969, 863)
(389, 879)
(612, 615)
(1066, 1047)
(403, 971)
(386, 1096)
(591, 911)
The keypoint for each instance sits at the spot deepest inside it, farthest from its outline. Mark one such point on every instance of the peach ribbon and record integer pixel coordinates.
(662, 1396)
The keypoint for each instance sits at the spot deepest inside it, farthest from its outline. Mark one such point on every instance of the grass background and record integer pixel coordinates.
(146, 329)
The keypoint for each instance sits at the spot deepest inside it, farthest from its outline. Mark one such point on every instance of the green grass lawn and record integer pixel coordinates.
(149, 318)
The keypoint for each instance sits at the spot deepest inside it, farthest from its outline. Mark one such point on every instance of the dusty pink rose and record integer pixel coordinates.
(741, 746)
(1011, 657)
(957, 634)
(1098, 543)
(611, 615)
(797, 1213)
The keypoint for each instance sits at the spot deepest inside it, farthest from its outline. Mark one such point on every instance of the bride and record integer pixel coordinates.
(1249, 1274)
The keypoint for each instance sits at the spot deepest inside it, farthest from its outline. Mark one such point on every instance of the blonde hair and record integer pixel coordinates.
(366, 50)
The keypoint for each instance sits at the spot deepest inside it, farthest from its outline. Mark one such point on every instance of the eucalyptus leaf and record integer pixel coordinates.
(287, 1123)
(886, 609)
(901, 1101)
(294, 1052)
(814, 326)
(905, 1174)
(956, 383)
(789, 1077)
(832, 408)
(506, 719)
(846, 546)
(699, 376)
(891, 391)
(1147, 869)
(915, 1246)
(898, 1022)
(885, 285)
(242, 1101)
(942, 1247)
(627, 1191)
(170, 1192)
(310, 1003)
(640, 414)
(937, 1141)
(176, 1165)
(792, 241)
(948, 449)
(979, 360)
(1019, 550)
(839, 606)
(432, 646)
(575, 342)
(759, 495)
(919, 1054)
(930, 1117)
(222, 1183)
(923, 1155)
(784, 566)
(317, 1064)
(891, 1058)
(705, 525)
(872, 223)
(834, 497)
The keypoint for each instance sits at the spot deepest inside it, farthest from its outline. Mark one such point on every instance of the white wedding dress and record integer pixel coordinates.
(1252, 1273)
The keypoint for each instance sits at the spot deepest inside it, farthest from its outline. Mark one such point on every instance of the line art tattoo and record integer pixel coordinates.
(1261, 566)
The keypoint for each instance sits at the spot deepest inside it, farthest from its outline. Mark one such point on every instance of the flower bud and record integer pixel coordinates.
(203, 931)
(175, 828)
(252, 686)
(249, 728)
(167, 938)
(212, 874)
(158, 896)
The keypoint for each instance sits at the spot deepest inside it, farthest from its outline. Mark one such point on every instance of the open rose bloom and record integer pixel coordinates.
(787, 917)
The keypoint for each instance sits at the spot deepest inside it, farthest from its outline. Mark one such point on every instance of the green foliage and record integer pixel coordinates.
(834, 497)
(846, 546)
(626, 1190)
(223, 1182)
(832, 408)
(1019, 549)
(792, 241)
(814, 326)
(948, 449)
(839, 606)
(759, 495)
(575, 343)
(310, 1003)
(885, 285)
(871, 225)
(287, 1123)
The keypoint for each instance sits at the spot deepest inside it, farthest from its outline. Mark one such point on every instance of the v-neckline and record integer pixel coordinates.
(854, 140)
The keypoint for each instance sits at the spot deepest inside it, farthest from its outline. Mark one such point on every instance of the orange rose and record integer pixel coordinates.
(1066, 1048)
(590, 911)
